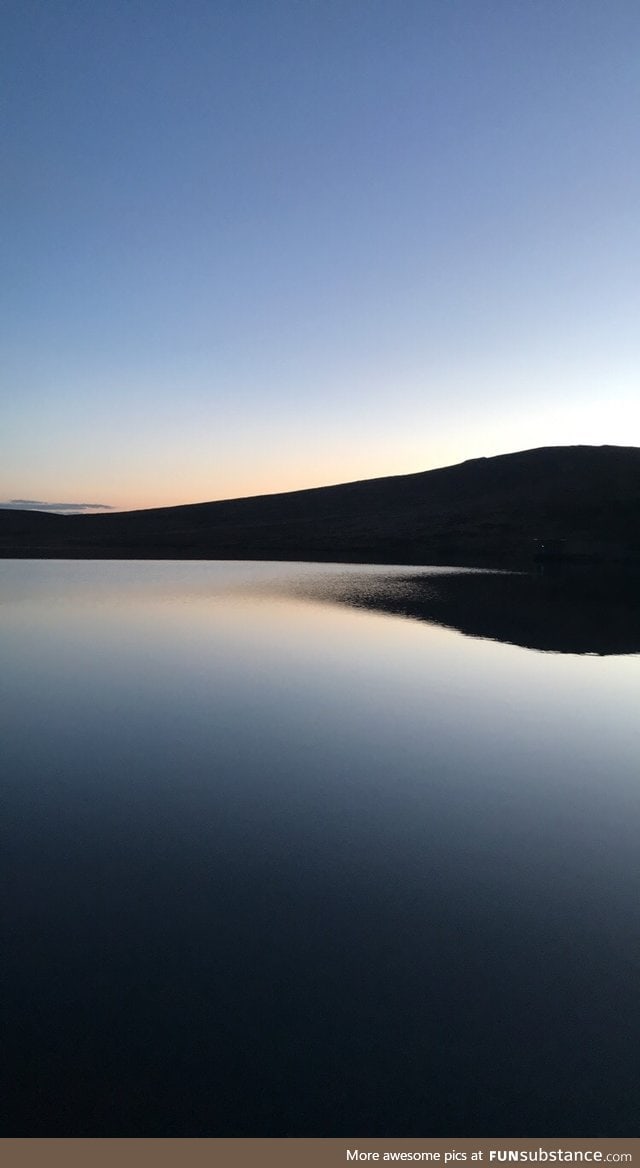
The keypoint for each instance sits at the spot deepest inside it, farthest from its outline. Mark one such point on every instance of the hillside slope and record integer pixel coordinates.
(484, 510)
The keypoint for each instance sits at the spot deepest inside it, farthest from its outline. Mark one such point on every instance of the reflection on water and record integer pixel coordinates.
(282, 864)
(558, 609)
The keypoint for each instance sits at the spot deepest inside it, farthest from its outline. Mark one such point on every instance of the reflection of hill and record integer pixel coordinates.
(485, 511)
(563, 611)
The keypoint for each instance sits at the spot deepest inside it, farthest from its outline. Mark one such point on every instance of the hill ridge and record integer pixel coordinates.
(483, 509)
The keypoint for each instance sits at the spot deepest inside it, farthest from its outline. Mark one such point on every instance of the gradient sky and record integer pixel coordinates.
(253, 245)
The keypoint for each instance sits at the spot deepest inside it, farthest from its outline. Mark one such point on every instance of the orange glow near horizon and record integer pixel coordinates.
(202, 488)
(162, 471)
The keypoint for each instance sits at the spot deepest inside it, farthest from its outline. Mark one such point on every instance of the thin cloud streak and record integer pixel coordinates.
(40, 505)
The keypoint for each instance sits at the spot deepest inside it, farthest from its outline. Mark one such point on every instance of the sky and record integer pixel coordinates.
(262, 245)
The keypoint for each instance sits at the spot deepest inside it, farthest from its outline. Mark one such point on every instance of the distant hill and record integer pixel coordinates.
(486, 510)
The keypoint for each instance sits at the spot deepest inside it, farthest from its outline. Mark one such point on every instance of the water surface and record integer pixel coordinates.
(288, 853)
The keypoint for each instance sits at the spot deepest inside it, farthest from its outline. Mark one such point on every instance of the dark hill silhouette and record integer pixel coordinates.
(486, 510)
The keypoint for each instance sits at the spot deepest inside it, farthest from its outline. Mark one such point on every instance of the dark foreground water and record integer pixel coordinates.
(288, 853)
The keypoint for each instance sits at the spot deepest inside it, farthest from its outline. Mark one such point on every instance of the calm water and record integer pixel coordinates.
(288, 853)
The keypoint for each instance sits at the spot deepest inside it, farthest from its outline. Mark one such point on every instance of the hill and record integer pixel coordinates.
(486, 510)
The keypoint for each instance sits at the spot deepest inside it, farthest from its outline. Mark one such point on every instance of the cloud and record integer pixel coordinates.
(64, 508)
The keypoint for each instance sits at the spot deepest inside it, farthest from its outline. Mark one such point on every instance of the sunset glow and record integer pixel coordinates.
(260, 248)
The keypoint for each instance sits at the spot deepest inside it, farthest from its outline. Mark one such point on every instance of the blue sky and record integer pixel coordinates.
(257, 246)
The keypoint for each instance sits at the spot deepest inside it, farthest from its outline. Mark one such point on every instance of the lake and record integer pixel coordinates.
(319, 850)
